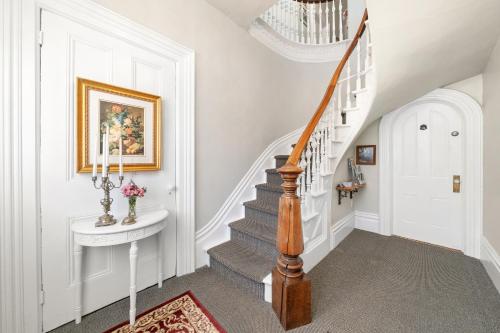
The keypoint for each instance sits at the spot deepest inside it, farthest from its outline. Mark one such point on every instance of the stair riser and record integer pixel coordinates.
(260, 247)
(274, 178)
(241, 281)
(268, 196)
(258, 215)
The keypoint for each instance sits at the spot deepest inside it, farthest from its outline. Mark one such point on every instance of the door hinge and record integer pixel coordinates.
(42, 297)
(40, 37)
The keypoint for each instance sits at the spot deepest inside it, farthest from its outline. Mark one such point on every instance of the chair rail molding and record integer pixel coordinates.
(473, 115)
(11, 211)
(20, 260)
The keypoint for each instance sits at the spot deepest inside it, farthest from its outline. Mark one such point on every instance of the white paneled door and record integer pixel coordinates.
(71, 50)
(428, 153)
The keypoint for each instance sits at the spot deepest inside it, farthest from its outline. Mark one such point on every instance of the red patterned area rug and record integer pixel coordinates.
(183, 313)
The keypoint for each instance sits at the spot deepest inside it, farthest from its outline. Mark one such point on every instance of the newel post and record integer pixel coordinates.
(291, 287)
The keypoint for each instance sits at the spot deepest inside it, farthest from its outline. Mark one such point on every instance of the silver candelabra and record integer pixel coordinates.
(106, 185)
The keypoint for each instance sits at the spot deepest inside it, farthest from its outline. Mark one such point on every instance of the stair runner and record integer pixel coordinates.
(251, 253)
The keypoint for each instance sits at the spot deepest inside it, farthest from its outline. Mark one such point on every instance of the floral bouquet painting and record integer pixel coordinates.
(125, 122)
(132, 192)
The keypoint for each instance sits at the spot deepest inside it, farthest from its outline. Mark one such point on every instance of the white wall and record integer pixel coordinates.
(342, 175)
(491, 100)
(472, 86)
(367, 198)
(428, 44)
(246, 97)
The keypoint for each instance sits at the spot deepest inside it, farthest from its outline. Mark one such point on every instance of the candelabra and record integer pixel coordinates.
(106, 185)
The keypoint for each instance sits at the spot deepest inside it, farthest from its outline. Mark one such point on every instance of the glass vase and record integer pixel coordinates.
(131, 218)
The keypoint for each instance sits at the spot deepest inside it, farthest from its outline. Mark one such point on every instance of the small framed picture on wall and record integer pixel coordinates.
(366, 155)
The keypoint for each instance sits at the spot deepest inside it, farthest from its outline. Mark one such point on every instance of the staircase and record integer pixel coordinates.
(249, 255)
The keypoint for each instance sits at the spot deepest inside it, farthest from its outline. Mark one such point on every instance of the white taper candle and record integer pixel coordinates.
(107, 149)
(103, 159)
(96, 149)
(121, 157)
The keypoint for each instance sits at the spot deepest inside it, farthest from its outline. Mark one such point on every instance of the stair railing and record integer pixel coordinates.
(311, 156)
(312, 22)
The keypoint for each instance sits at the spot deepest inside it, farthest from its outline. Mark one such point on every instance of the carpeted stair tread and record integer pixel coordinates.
(262, 206)
(270, 187)
(242, 260)
(272, 171)
(260, 230)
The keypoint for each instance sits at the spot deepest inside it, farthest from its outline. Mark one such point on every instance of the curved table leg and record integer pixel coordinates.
(133, 283)
(77, 256)
(160, 259)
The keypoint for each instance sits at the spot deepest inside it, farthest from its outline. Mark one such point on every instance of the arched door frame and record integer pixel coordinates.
(473, 182)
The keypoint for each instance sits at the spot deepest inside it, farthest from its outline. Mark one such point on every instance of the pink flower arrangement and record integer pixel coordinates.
(132, 190)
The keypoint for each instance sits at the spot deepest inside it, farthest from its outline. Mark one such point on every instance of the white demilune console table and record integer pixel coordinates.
(86, 234)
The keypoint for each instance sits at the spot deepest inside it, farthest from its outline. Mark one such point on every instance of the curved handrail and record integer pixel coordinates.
(294, 157)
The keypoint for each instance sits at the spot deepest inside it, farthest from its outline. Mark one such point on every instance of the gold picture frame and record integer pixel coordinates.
(142, 130)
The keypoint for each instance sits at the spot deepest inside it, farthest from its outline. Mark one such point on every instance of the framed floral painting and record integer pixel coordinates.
(130, 116)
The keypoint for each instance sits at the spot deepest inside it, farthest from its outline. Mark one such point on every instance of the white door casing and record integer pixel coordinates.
(425, 158)
(72, 50)
(468, 204)
(21, 271)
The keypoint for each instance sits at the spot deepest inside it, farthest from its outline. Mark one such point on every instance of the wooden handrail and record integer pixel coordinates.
(306, 135)
(291, 288)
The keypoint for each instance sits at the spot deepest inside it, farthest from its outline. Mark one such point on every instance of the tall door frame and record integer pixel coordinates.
(473, 182)
(20, 260)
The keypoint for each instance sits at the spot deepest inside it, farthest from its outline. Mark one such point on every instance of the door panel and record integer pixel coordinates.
(426, 156)
(71, 50)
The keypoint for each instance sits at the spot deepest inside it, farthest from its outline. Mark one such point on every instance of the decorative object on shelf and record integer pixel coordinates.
(106, 184)
(366, 155)
(133, 117)
(356, 174)
(132, 192)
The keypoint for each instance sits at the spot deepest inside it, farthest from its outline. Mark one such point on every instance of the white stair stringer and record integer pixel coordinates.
(317, 230)
(317, 211)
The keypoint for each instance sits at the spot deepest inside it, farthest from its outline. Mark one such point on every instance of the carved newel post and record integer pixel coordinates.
(291, 287)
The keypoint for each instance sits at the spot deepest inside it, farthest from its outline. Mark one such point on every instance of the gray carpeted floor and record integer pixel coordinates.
(369, 283)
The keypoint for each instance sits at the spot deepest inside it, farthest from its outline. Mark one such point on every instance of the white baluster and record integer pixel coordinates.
(295, 20)
(369, 42)
(303, 166)
(313, 23)
(328, 21)
(334, 25)
(288, 17)
(323, 145)
(301, 22)
(309, 22)
(341, 21)
(275, 17)
(280, 18)
(339, 101)
(348, 86)
(313, 163)
(358, 65)
(320, 24)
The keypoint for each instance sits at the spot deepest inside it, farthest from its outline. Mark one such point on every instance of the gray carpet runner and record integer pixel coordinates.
(251, 253)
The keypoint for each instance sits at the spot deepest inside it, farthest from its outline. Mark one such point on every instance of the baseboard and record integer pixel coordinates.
(367, 221)
(341, 229)
(216, 230)
(491, 262)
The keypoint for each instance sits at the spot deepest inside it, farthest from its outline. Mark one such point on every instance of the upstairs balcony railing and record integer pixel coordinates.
(311, 22)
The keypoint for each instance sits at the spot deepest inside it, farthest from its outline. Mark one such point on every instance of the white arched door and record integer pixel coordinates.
(428, 160)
